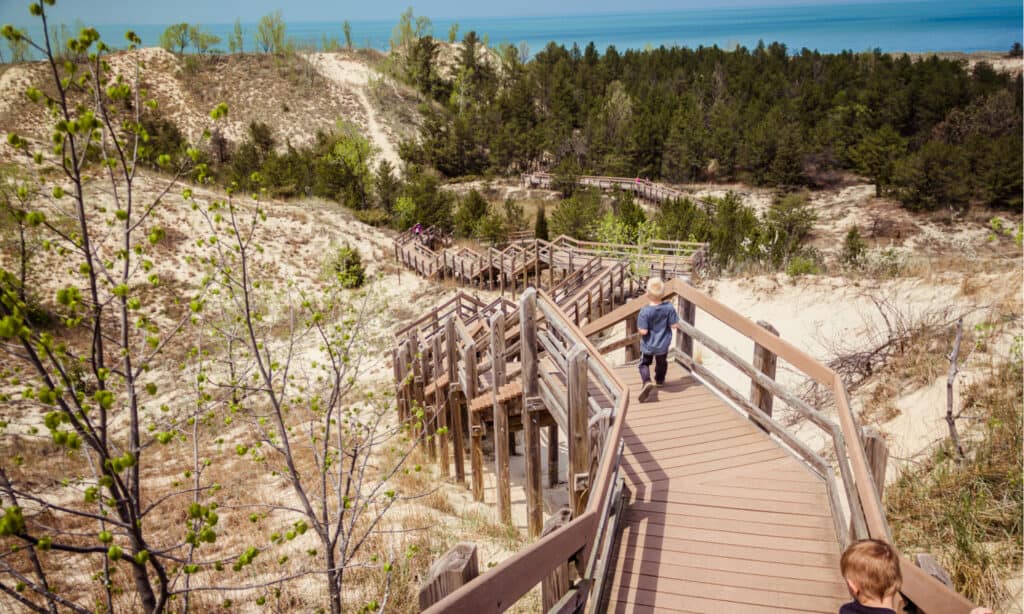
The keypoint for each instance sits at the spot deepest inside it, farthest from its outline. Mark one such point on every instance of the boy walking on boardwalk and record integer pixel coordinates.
(655, 324)
(871, 569)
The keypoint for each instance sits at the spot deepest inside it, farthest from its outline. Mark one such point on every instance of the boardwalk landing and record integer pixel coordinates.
(721, 519)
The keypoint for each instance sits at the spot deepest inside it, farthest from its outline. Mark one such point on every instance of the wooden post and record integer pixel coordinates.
(416, 400)
(557, 584)
(490, 271)
(526, 270)
(440, 411)
(553, 456)
(928, 563)
(877, 456)
(688, 314)
(579, 433)
(454, 407)
(399, 371)
(551, 266)
(501, 274)
(536, 261)
(633, 349)
(453, 570)
(764, 361)
(531, 410)
(476, 426)
(429, 422)
(501, 449)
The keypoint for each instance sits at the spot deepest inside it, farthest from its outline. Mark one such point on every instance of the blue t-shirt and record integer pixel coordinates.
(657, 320)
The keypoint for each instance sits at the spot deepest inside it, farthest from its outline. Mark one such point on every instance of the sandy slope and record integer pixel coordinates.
(356, 77)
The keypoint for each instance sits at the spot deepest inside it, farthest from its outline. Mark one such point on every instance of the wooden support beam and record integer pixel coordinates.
(688, 314)
(429, 424)
(557, 583)
(633, 349)
(877, 456)
(531, 408)
(579, 432)
(440, 411)
(553, 455)
(454, 569)
(501, 274)
(765, 362)
(454, 406)
(930, 566)
(476, 425)
(501, 431)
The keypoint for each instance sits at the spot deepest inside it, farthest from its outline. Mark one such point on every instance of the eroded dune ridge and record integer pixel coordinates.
(221, 463)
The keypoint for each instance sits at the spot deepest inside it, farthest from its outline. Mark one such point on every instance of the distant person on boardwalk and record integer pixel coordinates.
(871, 569)
(655, 324)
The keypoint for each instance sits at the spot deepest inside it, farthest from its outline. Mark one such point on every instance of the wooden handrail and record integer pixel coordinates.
(582, 537)
(930, 595)
(499, 588)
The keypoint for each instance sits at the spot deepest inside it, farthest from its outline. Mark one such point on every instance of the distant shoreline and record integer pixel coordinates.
(827, 28)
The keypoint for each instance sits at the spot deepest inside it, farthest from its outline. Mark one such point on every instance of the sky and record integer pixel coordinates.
(121, 12)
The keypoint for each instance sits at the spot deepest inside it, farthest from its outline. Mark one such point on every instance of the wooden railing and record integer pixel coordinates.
(643, 188)
(867, 518)
(562, 372)
(462, 305)
(513, 265)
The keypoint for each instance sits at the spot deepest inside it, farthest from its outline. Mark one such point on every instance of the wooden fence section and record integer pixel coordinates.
(469, 370)
(524, 262)
(654, 192)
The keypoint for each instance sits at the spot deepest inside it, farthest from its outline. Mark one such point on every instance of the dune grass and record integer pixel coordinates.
(968, 514)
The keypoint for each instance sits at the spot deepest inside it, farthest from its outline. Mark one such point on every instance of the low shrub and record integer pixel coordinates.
(802, 265)
(348, 266)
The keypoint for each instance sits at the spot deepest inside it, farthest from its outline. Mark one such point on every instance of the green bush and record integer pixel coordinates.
(578, 216)
(789, 222)
(348, 267)
(373, 217)
(471, 211)
(802, 265)
(934, 177)
(491, 228)
(888, 263)
(684, 220)
(853, 248)
(735, 232)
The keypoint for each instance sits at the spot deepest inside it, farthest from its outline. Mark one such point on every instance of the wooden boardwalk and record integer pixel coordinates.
(721, 519)
(684, 503)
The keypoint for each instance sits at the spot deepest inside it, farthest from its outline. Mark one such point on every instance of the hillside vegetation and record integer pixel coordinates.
(196, 285)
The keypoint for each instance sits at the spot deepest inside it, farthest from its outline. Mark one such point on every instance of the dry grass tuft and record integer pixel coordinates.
(969, 514)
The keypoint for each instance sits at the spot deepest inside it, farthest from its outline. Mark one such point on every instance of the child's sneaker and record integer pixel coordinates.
(646, 391)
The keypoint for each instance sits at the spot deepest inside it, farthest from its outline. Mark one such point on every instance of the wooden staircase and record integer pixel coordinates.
(698, 501)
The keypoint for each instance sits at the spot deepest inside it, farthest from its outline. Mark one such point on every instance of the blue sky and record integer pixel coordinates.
(100, 12)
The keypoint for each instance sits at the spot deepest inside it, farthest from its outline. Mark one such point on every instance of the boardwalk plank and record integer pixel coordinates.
(722, 518)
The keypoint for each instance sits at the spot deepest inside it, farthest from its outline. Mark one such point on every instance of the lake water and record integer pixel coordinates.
(890, 26)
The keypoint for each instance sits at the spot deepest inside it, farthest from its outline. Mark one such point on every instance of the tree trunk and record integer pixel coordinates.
(144, 588)
(333, 582)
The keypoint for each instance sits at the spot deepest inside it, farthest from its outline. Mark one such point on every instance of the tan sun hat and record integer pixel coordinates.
(655, 288)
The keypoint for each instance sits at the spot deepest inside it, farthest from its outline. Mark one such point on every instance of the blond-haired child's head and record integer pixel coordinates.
(872, 570)
(655, 288)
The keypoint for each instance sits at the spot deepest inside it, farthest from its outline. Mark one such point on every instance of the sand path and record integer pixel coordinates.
(356, 76)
